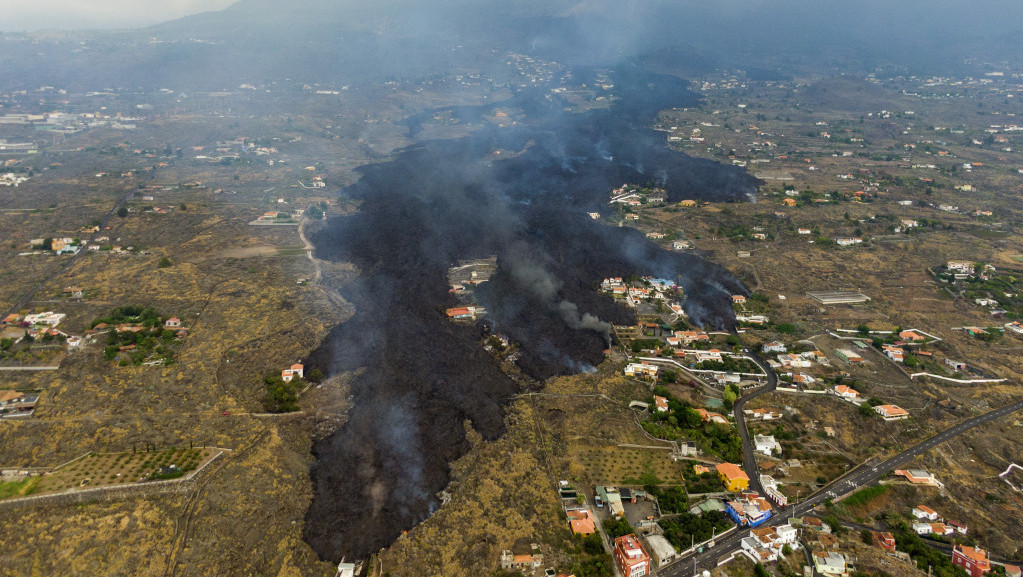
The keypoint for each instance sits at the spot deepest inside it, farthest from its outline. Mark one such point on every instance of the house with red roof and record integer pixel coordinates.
(847, 392)
(631, 557)
(895, 353)
(662, 404)
(891, 412)
(712, 417)
(918, 476)
(973, 559)
(885, 541)
(581, 522)
(734, 478)
(296, 370)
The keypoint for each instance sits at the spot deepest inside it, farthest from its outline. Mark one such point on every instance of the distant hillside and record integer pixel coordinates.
(326, 40)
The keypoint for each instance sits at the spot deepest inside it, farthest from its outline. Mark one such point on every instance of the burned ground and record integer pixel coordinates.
(451, 200)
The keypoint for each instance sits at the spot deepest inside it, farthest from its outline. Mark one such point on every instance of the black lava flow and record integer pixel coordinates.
(441, 201)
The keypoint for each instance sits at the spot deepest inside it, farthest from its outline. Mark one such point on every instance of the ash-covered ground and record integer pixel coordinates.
(450, 200)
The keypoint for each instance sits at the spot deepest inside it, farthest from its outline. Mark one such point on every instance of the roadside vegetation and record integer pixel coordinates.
(682, 422)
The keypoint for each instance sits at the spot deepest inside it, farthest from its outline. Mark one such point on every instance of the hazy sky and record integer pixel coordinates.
(28, 15)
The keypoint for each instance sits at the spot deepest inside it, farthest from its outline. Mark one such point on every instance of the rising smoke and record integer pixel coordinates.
(449, 200)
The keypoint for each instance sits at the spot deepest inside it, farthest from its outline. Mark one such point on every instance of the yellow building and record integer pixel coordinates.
(733, 477)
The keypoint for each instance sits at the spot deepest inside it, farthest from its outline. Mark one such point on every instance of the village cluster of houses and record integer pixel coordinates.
(786, 363)
(641, 553)
(964, 270)
(37, 325)
(67, 245)
(928, 522)
(765, 544)
(663, 290)
(67, 123)
(744, 316)
(887, 412)
(12, 179)
(59, 246)
(632, 195)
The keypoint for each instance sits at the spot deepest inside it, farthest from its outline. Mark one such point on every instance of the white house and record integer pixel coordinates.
(767, 444)
(662, 404)
(764, 414)
(787, 534)
(752, 548)
(753, 319)
(891, 412)
(295, 370)
(895, 353)
(775, 347)
(640, 370)
(847, 392)
(711, 355)
(49, 318)
(829, 563)
(789, 360)
(922, 528)
(925, 512)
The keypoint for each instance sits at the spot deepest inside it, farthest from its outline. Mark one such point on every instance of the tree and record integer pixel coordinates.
(281, 397)
(833, 522)
(592, 545)
(673, 500)
(122, 212)
(759, 571)
(728, 397)
(164, 262)
(617, 528)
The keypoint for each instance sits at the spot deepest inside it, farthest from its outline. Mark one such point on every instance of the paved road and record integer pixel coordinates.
(749, 459)
(865, 474)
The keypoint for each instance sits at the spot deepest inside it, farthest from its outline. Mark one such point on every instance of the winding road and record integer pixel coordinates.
(749, 459)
